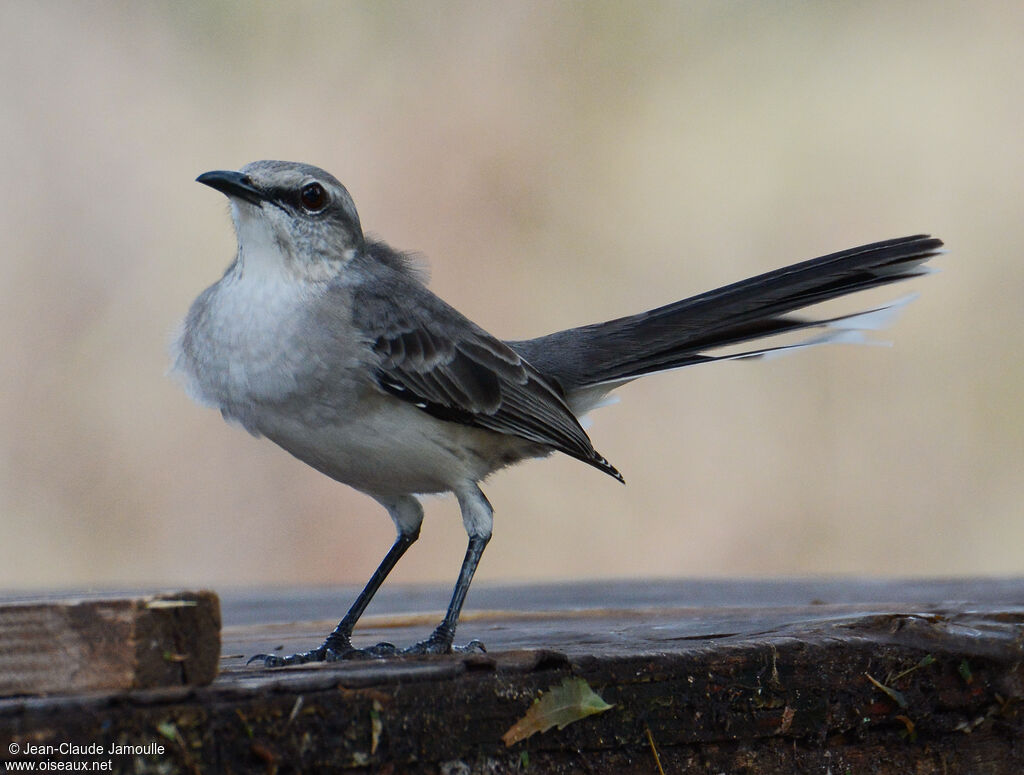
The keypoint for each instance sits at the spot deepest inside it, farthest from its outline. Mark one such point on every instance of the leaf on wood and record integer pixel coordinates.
(896, 696)
(911, 731)
(965, 672)
(928, 659)
(558, 706)
(168, 730)
(376, 726)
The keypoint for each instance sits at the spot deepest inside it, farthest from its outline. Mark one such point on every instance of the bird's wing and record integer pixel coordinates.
(436, 359)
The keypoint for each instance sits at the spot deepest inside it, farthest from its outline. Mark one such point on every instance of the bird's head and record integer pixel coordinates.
(289, 216)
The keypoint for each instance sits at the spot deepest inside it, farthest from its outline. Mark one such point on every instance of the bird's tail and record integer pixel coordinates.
(690, 331)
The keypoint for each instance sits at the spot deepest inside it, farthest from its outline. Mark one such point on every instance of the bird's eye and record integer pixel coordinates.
(313, 197)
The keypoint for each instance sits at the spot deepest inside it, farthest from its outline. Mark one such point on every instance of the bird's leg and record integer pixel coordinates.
(440, 641)
(407, 514)
(477, 517)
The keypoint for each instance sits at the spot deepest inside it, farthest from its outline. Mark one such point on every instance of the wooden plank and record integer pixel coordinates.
(931, 681)
(64, 645)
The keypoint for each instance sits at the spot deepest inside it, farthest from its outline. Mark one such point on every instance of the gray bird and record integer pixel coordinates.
(330, 345)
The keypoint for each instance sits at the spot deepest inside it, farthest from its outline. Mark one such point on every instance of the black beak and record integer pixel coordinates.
(233, 184)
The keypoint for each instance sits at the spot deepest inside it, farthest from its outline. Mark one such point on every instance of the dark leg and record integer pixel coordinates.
(407, 514)
(440, 641)
(476, 516)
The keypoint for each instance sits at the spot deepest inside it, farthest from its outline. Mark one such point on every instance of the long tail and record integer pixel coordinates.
(682, 333)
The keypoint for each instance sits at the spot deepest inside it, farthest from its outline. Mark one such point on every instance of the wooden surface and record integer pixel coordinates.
(76, 644)
(733, 677)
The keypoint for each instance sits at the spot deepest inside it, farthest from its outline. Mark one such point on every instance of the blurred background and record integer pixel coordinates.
(558, 164)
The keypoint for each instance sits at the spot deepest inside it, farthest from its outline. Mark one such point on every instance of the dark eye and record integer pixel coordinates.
(313, 197)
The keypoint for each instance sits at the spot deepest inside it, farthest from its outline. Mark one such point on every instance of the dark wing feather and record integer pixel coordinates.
(433, 357)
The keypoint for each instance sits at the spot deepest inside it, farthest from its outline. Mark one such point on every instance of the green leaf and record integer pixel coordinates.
(558, 706)
(965, 672)
(168, 730)
(376, 726)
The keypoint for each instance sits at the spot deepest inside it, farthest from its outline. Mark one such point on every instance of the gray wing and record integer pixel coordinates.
(436, 359)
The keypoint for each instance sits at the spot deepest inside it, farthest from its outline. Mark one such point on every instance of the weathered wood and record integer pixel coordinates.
(915, 685)
(65, 645)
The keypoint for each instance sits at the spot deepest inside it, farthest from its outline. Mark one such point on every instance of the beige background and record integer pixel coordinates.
(559, 163)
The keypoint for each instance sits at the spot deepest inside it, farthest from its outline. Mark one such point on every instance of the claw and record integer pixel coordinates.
(326, 653)
(272, 660)
(323, 653)
(439, 644)
(380, 650)
(343, 652)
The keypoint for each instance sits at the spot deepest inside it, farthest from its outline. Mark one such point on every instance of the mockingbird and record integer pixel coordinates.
(330, 345)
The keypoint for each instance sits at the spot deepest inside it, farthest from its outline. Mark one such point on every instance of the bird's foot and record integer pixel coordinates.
(441, 643)
(336, 649)
(331, 651)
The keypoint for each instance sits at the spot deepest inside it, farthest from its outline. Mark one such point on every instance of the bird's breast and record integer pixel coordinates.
(247, 341)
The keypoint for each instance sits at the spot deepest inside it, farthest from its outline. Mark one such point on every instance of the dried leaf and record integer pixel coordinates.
(558, 706)
(654, 750)
(896, 696)
(376, 726)
(911, 731)
(299, 702)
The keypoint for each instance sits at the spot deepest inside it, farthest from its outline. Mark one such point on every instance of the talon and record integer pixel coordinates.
(438, 644)
(339, 652)
(272, 660)
(381, 650)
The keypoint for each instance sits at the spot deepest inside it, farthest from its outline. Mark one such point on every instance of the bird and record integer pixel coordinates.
(328, 343)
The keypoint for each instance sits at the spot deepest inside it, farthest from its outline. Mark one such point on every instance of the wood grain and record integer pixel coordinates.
(52, 644)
